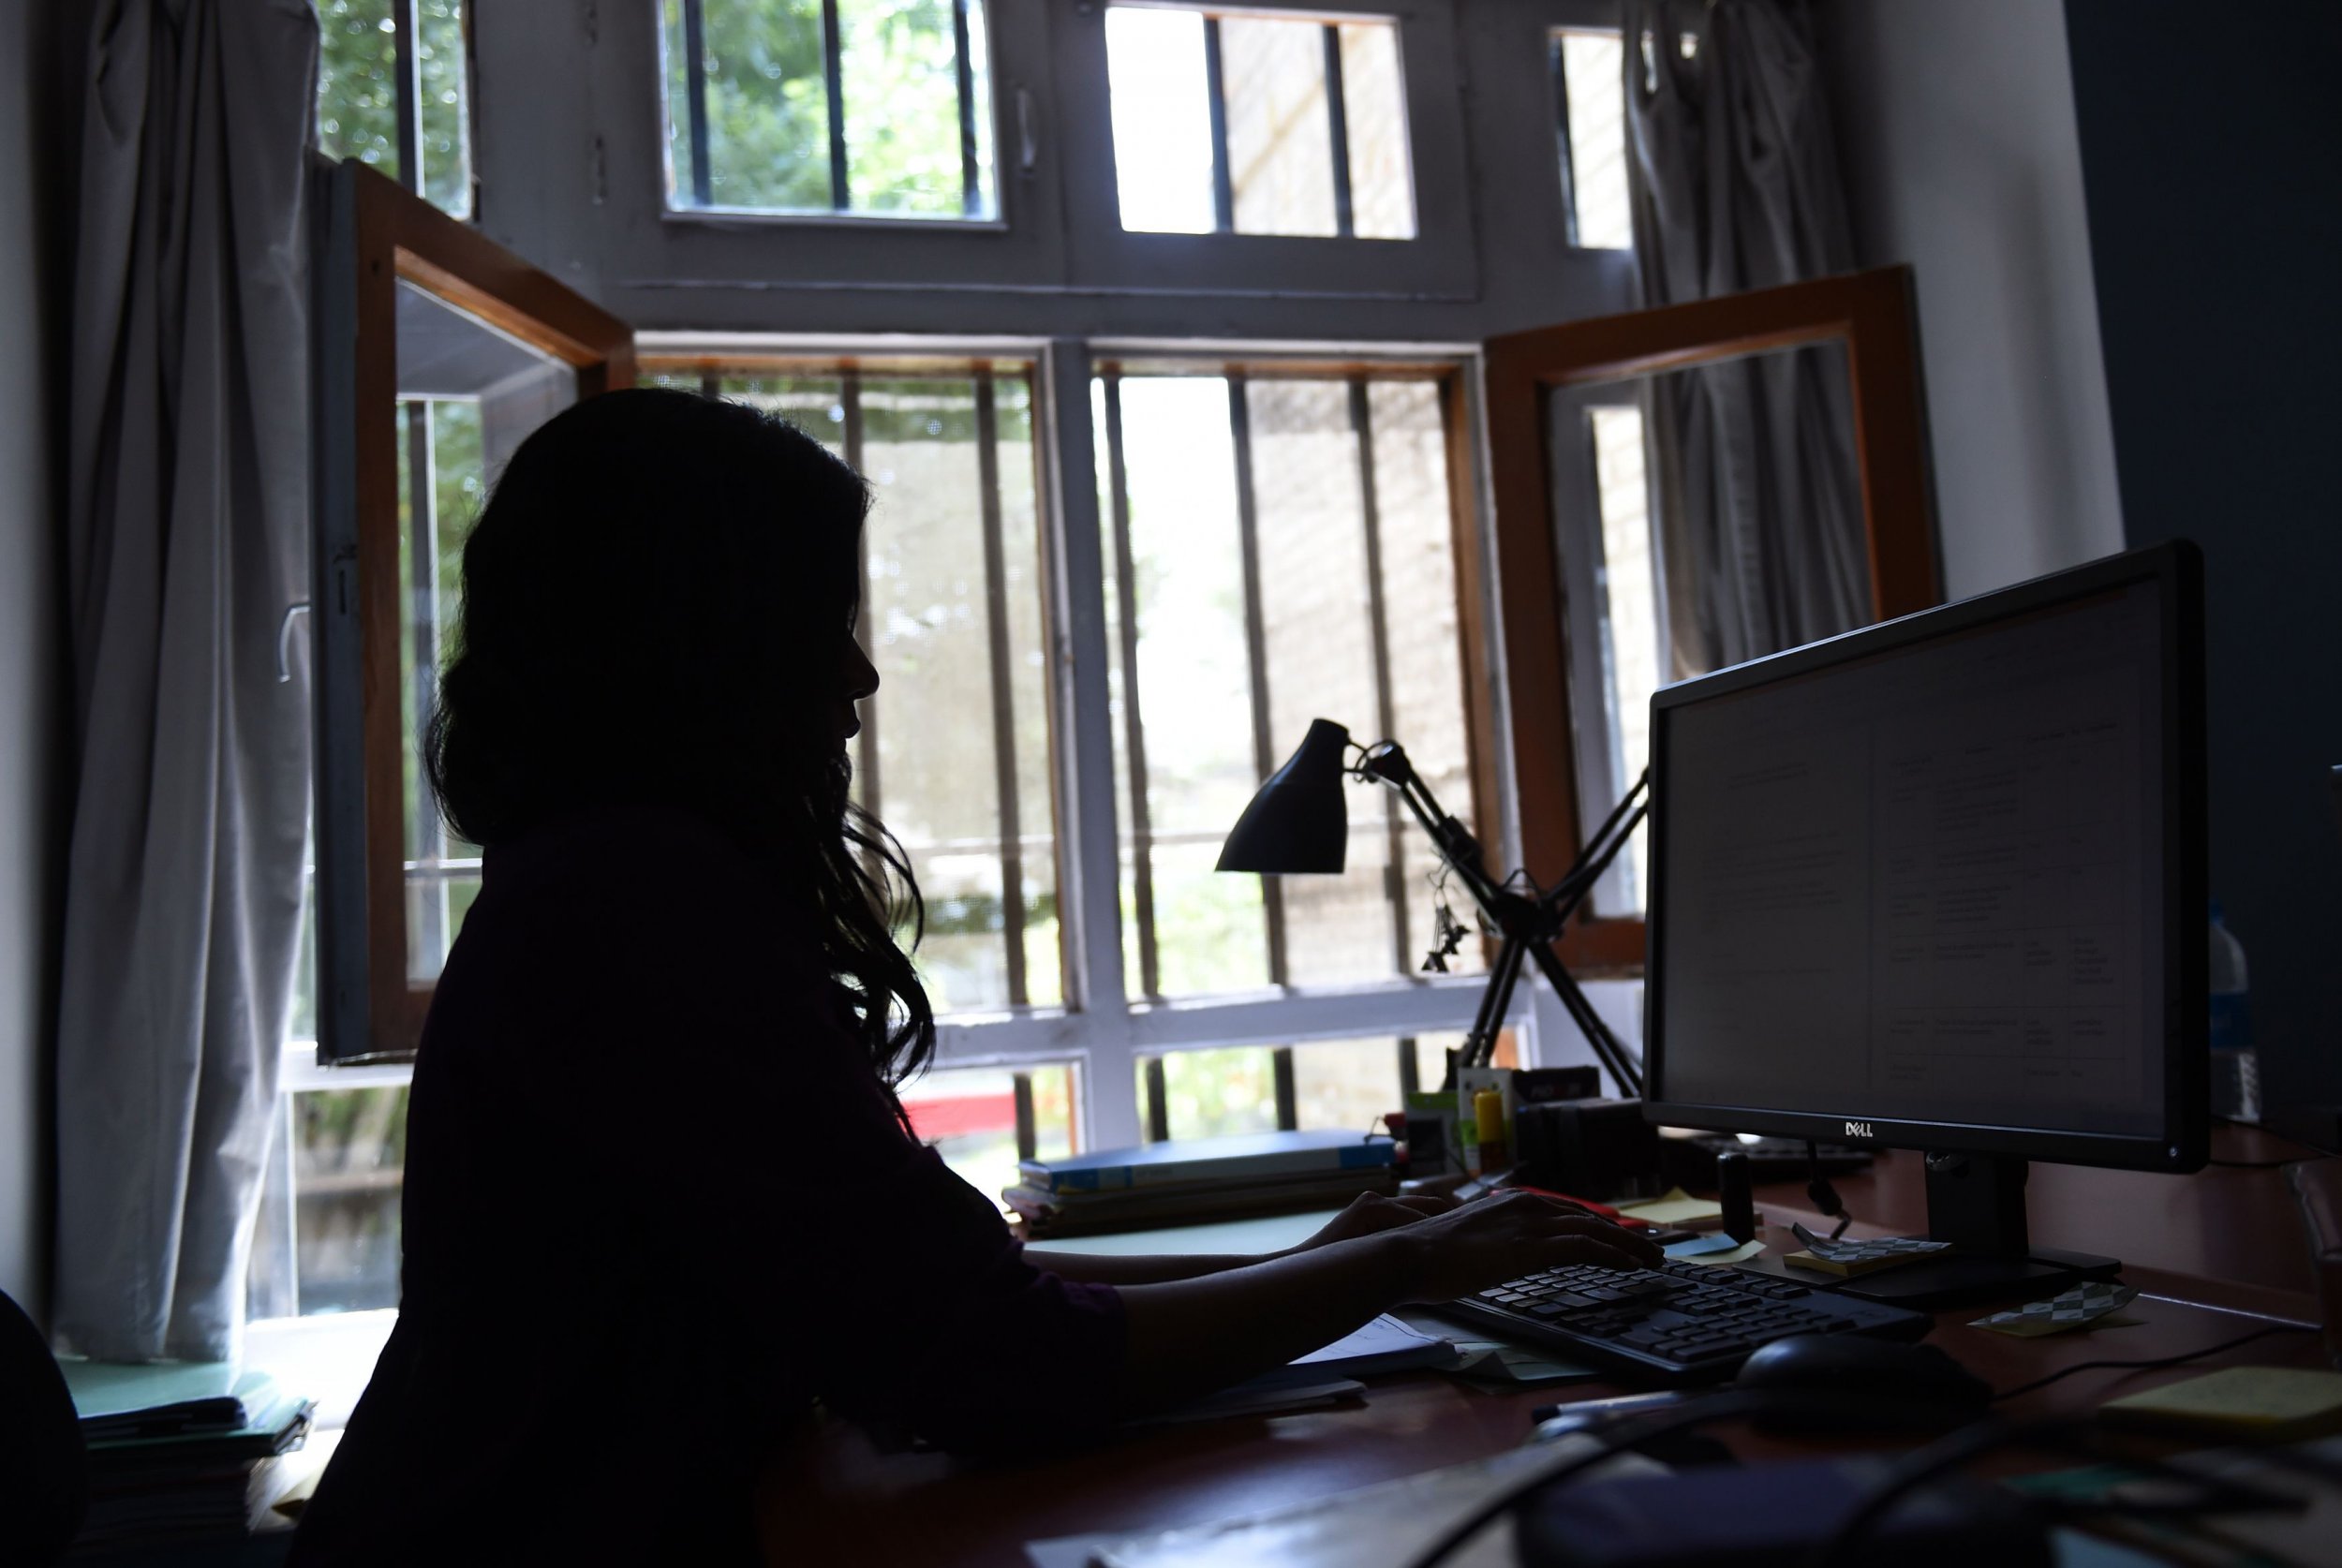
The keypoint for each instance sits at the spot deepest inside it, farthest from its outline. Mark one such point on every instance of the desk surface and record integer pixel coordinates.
(2211, 1254)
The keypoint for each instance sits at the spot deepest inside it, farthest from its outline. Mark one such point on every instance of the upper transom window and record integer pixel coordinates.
(843, 108)
(1233, 123)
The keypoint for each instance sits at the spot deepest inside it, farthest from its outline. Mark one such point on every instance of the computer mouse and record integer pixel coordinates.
(1844, 1382)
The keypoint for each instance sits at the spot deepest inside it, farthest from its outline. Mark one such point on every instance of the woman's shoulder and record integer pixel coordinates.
(636, 908)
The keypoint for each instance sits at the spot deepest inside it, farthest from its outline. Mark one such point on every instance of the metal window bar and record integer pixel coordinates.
(1003, 699)
(1409, 1074)
(1027, 1125)
(1158, 1103)
(695, 99)
(1216, 97)
(1134, 730)
(1256, 651)
(1281, 1077)
(1378, 623)
(1556, 67)
(833, 81)
(970, 182)
(422, 612)
(865, 761)
(408, 58)
(1338, 124)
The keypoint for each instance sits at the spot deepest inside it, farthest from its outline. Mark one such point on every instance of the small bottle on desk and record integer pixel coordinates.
(1487, 1113)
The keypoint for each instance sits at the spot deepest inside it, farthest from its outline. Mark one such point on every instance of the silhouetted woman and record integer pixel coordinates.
(660, 1197)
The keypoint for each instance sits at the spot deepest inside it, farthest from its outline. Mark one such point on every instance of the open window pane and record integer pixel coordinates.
(954, 754)
(769, 110)
(1239, 123)
(1590, 86)
(1281, 551)
(469, 394)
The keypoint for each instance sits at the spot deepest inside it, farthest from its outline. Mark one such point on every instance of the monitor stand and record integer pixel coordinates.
(1977, 1203)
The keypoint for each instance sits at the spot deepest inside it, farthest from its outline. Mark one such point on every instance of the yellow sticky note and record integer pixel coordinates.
(1674, 1206)
(2269, 1404)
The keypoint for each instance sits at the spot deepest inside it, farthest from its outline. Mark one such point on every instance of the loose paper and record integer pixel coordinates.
(2079, 1307)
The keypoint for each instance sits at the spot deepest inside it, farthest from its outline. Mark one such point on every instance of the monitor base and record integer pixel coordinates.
(1961, 1279)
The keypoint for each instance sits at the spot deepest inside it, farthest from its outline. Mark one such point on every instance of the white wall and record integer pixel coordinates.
(1956, 123)
(28, 672)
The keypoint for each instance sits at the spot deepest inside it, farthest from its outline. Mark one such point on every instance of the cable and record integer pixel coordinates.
(1618, 1440)
(2061, 1433)
(2160, 1360)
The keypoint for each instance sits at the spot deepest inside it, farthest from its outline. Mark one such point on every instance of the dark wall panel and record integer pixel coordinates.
(2212, 163)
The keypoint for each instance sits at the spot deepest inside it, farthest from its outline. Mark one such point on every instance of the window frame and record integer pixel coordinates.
(1440, 261)
(568, 154)
(372, 236)
(1872, 313)
(625, 221)
(832, 51)
(1104, 1029)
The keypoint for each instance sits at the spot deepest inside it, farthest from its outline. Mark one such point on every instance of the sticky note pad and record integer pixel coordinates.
(2263, 1404)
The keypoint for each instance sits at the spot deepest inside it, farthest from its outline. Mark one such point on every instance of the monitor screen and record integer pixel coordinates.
(1921, 878)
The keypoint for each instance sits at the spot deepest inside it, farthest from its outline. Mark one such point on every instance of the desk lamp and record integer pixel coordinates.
(1298, 823)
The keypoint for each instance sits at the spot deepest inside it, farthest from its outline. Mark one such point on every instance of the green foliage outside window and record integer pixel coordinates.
(768, 108)
(358, 92)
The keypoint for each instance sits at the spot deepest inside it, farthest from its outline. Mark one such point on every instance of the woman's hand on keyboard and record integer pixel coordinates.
(1371, 1213)
(1485, 1243)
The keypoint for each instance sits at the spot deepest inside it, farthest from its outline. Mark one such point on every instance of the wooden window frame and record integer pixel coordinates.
(374, 235)
(1872, 315)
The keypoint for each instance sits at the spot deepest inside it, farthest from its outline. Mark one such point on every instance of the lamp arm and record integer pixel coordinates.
(1387, 763)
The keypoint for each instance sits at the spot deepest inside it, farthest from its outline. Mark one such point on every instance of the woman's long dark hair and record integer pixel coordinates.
(656, 600)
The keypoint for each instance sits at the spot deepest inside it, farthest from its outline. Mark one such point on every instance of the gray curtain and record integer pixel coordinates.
(187, 538)
(1735, 187)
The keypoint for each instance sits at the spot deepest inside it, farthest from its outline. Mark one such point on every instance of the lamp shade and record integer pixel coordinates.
(1298, 820)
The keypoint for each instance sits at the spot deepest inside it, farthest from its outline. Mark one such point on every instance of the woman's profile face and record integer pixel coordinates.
(860, 679)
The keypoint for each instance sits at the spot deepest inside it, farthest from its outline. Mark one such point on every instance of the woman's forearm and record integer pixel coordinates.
(1189, 1336)
(1154, 1268)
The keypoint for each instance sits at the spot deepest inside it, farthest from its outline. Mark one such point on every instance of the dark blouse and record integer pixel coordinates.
(656, 1204)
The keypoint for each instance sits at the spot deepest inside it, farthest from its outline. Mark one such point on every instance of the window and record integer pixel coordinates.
(1174, 452)
(1236, 124)
(862, 108)
(954, 753)
(1590, 118)
(1281, 551)
(393, 91)
(1336, 1085)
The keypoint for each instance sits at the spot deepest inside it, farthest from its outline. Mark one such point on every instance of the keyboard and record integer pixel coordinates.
(1681, 1322)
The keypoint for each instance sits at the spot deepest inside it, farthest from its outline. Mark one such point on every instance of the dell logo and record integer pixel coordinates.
(1859, 1130)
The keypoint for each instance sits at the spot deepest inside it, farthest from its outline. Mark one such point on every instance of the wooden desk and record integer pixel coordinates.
(2213, 1255)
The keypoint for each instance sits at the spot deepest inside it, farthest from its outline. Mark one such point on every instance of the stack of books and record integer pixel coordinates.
(181, 1452)
(1196, 1180)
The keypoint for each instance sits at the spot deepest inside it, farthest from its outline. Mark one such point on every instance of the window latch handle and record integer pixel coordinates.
(1028, 136)
(284, 642)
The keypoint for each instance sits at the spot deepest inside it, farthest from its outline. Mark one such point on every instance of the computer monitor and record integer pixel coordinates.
(1939, 885)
